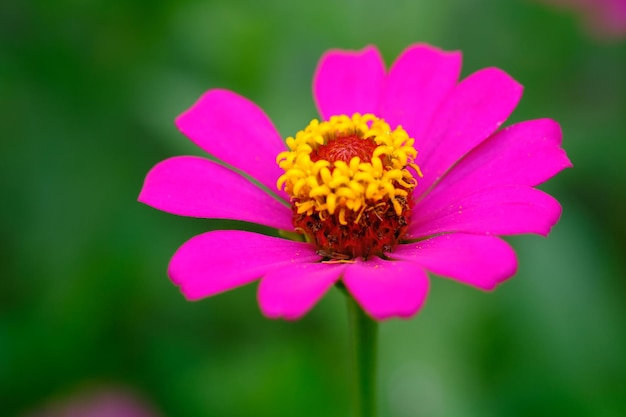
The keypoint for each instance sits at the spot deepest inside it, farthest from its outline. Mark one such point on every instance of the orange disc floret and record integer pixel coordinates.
(349, 185)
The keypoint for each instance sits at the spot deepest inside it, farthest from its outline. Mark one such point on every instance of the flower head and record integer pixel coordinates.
(406, 173)
(605, 19)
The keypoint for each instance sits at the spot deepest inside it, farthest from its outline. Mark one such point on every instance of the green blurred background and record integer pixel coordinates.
(88, 94)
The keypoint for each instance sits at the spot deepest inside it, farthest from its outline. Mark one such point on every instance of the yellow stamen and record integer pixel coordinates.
(326, 187)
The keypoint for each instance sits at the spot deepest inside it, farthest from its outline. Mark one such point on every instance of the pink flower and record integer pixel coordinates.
(603, 18)
(97, 402)
(475, 183)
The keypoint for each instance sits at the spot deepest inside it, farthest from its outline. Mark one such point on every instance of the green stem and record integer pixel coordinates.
(363, 334)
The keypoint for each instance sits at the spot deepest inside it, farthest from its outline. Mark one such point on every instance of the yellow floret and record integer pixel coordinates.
(327, 187)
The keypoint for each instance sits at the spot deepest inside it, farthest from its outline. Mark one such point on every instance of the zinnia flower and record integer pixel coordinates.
(97, 402)
(603, 18)
(405, 174)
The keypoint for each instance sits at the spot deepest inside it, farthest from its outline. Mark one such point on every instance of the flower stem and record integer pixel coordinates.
(363, 336)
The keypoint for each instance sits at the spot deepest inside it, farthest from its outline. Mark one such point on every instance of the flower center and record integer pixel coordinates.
(344, 148)
(350, 185)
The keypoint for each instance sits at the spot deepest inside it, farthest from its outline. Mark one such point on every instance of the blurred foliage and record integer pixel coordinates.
(89, 91)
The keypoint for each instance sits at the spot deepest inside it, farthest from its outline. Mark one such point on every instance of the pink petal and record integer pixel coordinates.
(217, 261)
(526, 153)
(236, 131)
(417, 83)
(196, 187)
(481, 261)
(500, 210)
(292, 291)
(471, 113)
(348, 82)
(385, 289)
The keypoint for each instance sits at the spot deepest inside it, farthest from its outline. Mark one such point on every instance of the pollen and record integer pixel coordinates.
(350, 180)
